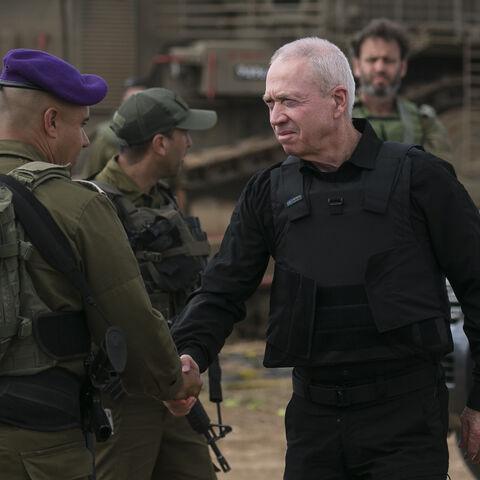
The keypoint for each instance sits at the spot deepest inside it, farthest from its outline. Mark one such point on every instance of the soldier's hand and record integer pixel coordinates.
(192, 384)
(180, 407)
(470, 441)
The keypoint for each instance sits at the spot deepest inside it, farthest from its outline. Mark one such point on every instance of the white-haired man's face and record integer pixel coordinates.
(301, 117)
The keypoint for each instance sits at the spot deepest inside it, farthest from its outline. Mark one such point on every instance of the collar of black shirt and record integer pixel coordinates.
(364, 155)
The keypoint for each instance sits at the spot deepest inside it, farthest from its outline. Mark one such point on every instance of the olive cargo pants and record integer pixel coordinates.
(31, 455)
(149, 443)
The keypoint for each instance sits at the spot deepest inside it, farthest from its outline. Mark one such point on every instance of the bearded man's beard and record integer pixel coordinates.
(384, 91)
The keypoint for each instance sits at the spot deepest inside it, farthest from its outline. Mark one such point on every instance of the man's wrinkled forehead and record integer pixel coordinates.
(286, 77)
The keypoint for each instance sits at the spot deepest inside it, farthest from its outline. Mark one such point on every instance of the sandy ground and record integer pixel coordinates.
(254, 403)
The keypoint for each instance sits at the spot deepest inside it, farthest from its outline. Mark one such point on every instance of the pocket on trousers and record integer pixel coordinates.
(64, 462)
(435, 407)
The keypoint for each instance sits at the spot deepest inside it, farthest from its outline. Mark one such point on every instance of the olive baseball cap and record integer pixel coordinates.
(157, 110)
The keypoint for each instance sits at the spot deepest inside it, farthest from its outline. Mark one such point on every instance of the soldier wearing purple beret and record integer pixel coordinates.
(44, 106)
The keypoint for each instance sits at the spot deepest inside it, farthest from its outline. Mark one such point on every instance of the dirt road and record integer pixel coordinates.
(254, 403)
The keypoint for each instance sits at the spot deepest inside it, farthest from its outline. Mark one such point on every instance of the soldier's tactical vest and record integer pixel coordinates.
(351, 281)
(408, 127)
(28, 328)
(171, 249)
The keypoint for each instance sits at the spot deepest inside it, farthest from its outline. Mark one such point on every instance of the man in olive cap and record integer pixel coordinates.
(105, 143)
(44, 106)
(152, 128)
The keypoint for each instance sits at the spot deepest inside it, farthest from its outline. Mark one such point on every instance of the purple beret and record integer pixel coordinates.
(39, 70)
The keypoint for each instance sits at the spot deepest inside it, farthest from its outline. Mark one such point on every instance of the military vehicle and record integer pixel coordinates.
(215, 53)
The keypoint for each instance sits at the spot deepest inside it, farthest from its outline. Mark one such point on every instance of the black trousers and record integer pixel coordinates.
(398, 438)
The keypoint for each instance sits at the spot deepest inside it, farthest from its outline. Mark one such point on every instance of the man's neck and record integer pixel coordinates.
(340, 151)
(32, 136)
(378, 106)
(139, 173)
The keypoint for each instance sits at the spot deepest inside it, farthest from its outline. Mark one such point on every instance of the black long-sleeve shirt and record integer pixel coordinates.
(443, 217)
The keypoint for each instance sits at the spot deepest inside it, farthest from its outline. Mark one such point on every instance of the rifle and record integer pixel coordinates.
(198, 417)
(200, 421)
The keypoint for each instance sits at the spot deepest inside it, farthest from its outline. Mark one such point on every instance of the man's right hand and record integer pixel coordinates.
(470, 420)
(192, 384)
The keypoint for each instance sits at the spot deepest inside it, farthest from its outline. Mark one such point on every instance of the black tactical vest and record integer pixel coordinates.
(351, 282)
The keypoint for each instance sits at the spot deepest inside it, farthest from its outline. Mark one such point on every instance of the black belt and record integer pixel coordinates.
(48, 401)
(344, 396)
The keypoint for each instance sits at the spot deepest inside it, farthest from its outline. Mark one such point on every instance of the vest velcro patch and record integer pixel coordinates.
(293, 200)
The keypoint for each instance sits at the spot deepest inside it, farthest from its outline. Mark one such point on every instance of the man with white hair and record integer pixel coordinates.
(362, 232)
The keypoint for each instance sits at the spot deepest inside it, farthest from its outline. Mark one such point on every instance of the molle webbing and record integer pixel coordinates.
(408, 121)
(171, 249)
(56, 335)
(9, 281)
(134, 218)
(45, 234)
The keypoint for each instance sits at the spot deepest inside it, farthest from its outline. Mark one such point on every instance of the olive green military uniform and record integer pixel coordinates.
(409, 124)
(149, 442)
(103, 253)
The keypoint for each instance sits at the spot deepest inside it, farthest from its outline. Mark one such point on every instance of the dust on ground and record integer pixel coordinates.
(254, 401)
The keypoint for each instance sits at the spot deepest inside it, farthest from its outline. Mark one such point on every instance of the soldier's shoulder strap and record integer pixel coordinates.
(287, 189)
(379, 183)
(123, 205)
(44, 233)
(33, 174)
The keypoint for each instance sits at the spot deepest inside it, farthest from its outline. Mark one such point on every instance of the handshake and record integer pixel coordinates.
(186, 403)
(192, 384)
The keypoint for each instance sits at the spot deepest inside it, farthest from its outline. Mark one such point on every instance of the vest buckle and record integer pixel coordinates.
(335, 205)
(341, 394)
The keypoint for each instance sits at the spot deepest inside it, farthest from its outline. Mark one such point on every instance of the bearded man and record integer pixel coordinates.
(379, 61)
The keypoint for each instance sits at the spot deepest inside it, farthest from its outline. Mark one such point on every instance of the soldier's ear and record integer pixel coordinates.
(160, 144)
(404, 68)
(50, 122)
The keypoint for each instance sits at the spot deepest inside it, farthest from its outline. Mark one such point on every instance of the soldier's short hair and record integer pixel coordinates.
(381, 28)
